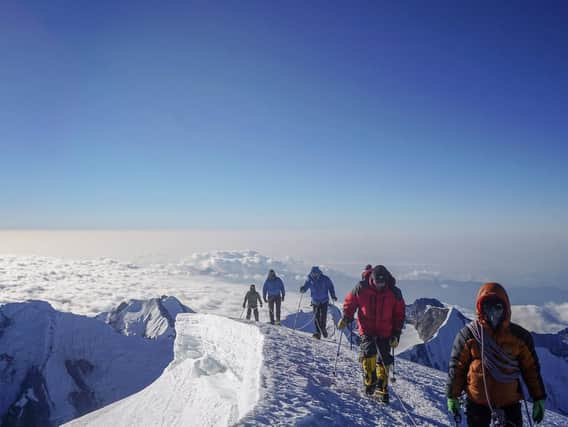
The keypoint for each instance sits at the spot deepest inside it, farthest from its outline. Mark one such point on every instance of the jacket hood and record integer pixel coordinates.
(382, 271)
(315, 269)
(493, 290)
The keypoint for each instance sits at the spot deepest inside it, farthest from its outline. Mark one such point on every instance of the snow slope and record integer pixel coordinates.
(57, 366)
(213, 380)
(230, 372)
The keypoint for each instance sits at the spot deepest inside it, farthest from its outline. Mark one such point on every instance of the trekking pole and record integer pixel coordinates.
(337, 356)
(297, 312)
(458, 419)
(242, 312)
(351, 336)
(393, 365)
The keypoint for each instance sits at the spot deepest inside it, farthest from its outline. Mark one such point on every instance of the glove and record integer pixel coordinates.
(265, 300)
(302, 290)
(393, 342)
(334, 298)
(342, 323)
(453, 406)
(243, 306)
(538, 411)
(282, 299)
(260, 305)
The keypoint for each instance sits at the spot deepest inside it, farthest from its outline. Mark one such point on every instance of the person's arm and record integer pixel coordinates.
(350, 306)
(460, 359)
(259, 298)
(264, 290)
(245, 301)
(529, 363)
(282, 291)
(399, 313)
(331, 289)
(306, 286)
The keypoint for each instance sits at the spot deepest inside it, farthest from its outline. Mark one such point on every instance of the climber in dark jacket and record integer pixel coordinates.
(252, 297)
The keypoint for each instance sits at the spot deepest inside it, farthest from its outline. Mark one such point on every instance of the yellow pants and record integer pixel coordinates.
(375, 373)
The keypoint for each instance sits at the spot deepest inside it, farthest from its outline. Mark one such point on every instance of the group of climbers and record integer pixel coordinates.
(489, 357)
(273, 294)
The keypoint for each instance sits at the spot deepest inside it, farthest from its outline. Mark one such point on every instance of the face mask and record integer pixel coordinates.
(494, 314)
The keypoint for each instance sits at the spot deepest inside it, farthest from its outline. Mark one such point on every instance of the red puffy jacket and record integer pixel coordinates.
(381, 312)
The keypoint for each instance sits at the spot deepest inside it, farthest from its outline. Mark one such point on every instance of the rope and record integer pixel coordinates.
(392, 386)
(483, 367)
(308, 322)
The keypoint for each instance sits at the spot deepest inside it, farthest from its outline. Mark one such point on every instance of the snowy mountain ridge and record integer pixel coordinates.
(56, 366)
(230, 372)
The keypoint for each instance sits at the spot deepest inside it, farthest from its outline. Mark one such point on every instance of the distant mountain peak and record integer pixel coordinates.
(153, 318)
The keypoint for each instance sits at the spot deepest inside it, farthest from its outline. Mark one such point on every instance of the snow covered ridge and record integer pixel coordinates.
(214, 379)
(229, 372)
(56, 366)
(153, 318)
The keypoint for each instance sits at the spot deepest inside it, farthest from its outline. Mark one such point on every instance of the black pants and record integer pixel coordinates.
(480, 415)
(320, 318)
(274, 301)
(369, 346)
(255, 309)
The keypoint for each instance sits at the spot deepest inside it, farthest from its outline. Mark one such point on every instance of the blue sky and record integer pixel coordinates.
(302, 115)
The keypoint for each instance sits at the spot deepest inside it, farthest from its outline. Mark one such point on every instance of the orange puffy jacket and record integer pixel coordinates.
(466, 372)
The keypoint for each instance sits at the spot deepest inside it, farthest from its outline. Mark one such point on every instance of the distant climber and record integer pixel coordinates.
(273, 293)
(252, 297)
(321, 288)
(489, 357)
(366, 272)
(381, 312)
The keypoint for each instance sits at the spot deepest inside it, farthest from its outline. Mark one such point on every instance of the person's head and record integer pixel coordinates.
(271, 274)
(252, 287)
(315, 272)
(493, 306)
(379, 277)
(367, 271)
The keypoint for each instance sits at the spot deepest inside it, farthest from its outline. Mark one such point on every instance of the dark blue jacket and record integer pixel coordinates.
(273, 288)
(320, 288)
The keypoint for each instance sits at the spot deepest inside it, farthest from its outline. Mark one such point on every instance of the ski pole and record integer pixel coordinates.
(337, 356)
(242, 312)
(297, 312)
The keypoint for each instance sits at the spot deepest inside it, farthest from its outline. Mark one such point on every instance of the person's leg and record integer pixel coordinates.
(323, 318)
(477, 415)
(369, 362)
(383, 367)
(514, 415)
(315, 308)
(278, 305)
(248, 313)
(271, 309)
(256, 314)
